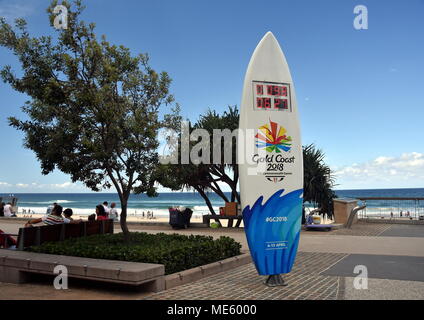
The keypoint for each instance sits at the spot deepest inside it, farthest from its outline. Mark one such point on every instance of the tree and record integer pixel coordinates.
(204, 177)
(93, 109)
(318, 180)
(219, 170)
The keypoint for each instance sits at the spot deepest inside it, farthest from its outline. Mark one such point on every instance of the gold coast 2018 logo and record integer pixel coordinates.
(274, 139)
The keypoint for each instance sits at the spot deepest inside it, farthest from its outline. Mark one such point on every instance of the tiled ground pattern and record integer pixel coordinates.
(363, 229)
(243, 283)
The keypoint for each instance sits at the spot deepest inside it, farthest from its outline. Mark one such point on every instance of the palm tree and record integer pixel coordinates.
(318, 180)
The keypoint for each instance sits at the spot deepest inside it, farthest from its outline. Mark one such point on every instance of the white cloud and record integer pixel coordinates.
(382, 160)
(36, 187)
(391, 172)
(64, 185)
(22, 185)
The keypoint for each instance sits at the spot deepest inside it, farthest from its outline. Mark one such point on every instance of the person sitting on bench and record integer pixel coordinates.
(68, 214)
(6, 240)
(101, 213)
(55, 217)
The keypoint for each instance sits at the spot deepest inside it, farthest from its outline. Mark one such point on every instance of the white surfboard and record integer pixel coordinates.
(271, 177)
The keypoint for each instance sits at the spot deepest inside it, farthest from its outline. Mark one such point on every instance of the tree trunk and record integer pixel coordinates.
(234, 193)
(123, 194)
(208, 203)
(123, 220)
(219, 192)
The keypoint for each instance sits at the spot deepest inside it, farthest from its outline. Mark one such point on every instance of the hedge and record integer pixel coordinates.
(177, 252)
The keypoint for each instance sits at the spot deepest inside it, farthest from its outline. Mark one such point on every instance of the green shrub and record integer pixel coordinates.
(177, 252)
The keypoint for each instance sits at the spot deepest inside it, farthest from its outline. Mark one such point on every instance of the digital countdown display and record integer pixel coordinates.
(271, 96)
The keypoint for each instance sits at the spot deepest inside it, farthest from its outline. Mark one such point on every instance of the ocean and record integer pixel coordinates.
(85, 203)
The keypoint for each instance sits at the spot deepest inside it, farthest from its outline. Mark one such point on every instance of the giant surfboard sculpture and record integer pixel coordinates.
(271, 175)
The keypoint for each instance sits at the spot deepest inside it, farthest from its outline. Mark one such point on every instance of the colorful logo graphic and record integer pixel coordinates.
(273, 137)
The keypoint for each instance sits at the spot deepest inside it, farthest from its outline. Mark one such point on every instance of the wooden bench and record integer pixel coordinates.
(208, 218)
(34, 236)
(31, 236)
(18, 266)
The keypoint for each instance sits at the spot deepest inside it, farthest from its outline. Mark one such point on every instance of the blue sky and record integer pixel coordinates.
(360, 92)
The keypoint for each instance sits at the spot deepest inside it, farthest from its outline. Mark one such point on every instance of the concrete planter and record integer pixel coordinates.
(191, 275)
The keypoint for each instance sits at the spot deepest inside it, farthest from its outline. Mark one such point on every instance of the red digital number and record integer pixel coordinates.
(276, 90)
(272, 90)
(258, 102)
(259, 89)
(263, 103)
(280, 104)
(269, 90)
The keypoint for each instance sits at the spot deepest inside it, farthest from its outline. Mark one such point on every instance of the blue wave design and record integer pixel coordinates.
(279, 146)
(261, 235)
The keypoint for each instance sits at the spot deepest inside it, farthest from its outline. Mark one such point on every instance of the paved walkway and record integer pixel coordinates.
(324, 269)
(243, 283)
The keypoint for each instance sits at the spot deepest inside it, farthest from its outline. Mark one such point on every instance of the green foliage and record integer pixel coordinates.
(176, 252)
(318, 180)
(205, 177)
(93, 109)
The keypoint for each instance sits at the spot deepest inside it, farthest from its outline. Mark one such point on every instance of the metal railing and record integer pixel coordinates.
(392, 208)
(353, 214)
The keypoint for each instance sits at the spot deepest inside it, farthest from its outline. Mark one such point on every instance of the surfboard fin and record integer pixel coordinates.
(275, 280)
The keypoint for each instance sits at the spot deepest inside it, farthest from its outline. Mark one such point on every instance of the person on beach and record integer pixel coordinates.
(106, 207)
(101, 212)
(8, 210)
(51, 219)
(2, 204)
(113, 212)
(68, 214)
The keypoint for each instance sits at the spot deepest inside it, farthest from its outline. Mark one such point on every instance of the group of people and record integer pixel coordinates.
(103, 212)
(112, 212)
(56, 215)
(6, 210)
(402, 214)
(149, 215)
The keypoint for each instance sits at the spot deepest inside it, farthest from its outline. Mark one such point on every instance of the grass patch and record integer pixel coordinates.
(177, 252)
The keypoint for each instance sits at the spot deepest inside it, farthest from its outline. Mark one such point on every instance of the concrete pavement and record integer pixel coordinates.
(324, 269)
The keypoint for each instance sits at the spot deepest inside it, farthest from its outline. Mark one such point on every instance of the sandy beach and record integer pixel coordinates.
(197, 218)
